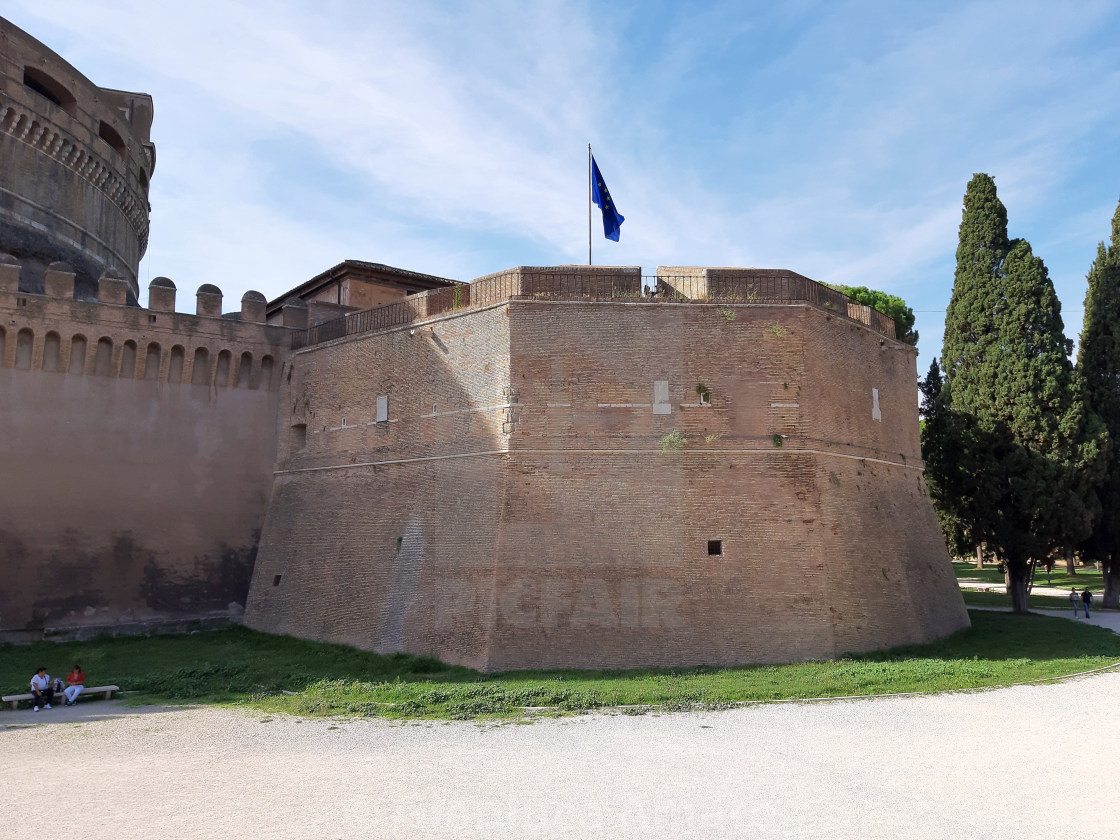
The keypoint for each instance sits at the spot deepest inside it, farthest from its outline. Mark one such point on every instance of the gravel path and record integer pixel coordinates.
(958, 765)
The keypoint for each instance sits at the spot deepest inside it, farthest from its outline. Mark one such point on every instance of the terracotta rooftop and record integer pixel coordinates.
(361, 270)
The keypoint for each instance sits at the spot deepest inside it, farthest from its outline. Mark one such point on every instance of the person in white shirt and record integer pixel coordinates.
(42, 693)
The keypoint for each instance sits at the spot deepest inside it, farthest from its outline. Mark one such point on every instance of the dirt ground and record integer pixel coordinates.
(956, 765)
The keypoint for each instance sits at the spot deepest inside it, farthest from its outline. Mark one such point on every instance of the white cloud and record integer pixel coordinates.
(833, 139)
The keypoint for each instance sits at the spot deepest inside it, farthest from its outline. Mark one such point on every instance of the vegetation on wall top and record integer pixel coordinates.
(890, 305)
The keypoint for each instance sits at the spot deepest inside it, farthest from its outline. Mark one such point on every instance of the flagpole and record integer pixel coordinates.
(589, 204)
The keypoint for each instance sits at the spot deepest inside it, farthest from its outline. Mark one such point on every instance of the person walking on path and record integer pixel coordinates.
(1074, 600)
(41, 692)
(75, 684)
(1086, 600)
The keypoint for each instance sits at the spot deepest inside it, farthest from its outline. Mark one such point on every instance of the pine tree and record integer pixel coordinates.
(1098, 361)
(1023, 429)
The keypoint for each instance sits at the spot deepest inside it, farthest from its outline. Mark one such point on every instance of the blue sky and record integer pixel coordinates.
(834, 139)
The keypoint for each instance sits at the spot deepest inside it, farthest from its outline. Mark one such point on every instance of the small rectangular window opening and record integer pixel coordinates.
(715, 548)
(705, 397)
(276, 580)
(382, 415)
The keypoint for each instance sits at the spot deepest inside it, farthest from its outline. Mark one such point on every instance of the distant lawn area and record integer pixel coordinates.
(242, 668)
(991, 574)
(1034, 602)
(1058, 579)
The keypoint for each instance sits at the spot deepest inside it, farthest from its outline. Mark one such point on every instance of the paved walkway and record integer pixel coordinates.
(955, 765)
(1037, 589)
(1110, 619)
(951, 765)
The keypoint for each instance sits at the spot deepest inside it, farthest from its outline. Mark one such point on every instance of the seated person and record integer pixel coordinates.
(75, 683)
(41, 692)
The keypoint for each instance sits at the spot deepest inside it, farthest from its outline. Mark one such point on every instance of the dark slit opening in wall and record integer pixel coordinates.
(276, 580)
(715, 548)
(299, 436)
(50, 88)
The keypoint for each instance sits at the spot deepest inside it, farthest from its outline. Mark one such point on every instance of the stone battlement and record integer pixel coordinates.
(55, 333)
(604, 283)
(557, 473)
(551, 466)
(138, 446)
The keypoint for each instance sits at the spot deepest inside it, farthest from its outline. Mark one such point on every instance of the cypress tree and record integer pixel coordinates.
(1022, 422)
(960, 465)
(943, 450)
(1098, 361)
(980, 253)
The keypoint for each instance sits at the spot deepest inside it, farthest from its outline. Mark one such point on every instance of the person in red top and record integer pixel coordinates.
(75, 683)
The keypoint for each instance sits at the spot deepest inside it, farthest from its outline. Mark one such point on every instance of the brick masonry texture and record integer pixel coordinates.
(130, 496)
(523, 504)
(543, 468)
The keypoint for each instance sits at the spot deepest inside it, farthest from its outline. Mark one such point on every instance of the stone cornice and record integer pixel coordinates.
(23, 124)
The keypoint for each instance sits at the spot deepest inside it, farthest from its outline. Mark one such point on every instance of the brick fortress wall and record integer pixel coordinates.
(546, 480)
(138, 448)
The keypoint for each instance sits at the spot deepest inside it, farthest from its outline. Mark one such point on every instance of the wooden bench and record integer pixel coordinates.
(107, 690)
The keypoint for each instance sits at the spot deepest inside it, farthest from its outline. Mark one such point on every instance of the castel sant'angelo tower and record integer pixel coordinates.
(544, 467)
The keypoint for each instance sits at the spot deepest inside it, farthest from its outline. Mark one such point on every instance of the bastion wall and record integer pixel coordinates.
(549, 481)
(137, 449)
(548, 467)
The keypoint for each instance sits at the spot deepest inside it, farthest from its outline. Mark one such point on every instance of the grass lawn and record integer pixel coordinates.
(240, 667)
(1084, 578)
(991, 574)
(1034, 602)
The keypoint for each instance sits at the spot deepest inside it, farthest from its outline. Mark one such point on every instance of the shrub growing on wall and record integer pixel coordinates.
(890, 305)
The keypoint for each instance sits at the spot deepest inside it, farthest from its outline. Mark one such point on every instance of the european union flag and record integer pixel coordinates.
(612, 219)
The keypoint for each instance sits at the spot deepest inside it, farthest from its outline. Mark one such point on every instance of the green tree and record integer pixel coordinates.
(1098, 360)
(962, 467)
(1026, 433)
(890, 305)
(946, 465)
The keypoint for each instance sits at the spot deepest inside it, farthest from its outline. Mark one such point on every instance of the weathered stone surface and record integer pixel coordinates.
(130, 496)
(544, 468)
(520, 507)
(75, 164)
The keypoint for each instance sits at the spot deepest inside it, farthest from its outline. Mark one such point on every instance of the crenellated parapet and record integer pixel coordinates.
(55, 333)
(613, 284)
(77, 162)
(569, 467)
